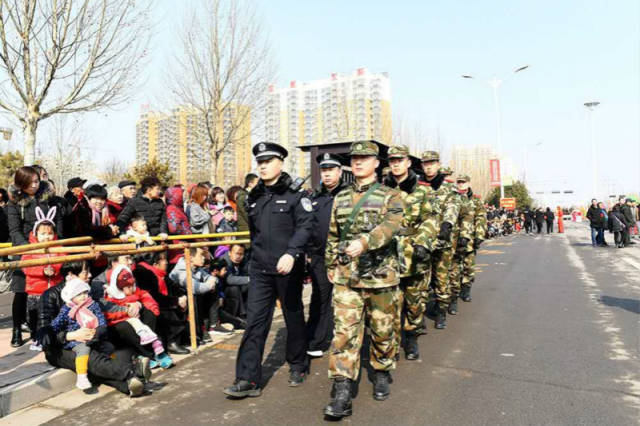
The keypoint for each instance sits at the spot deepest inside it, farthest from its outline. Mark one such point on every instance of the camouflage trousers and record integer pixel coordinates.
(415, 289)
(440, 276)
(469, 269)
(352, 307)
(462, 272)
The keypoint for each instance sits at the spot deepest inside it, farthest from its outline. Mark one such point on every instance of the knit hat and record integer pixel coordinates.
(41, 218)
(73, 288)
(121, 277)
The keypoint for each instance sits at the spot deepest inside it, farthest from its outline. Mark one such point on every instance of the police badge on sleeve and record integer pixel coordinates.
(306, 204)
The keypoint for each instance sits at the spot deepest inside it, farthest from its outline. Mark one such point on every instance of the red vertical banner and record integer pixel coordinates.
(494, 172)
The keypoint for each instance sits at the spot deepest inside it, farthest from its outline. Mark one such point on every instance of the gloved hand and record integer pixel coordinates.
(476, 243)
(420, 254)
(45, 336)
(461, 247)
(445, 231)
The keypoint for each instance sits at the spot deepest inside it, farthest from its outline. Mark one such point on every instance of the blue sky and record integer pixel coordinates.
(578, 51)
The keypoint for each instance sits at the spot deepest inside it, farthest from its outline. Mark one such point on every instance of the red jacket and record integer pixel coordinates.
(114, 210)
(37, 281)
(138, 296)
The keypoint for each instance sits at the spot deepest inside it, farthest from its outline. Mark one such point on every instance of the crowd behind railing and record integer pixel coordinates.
(120, 309)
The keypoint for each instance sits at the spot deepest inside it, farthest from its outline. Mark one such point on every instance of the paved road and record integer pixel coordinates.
(551, 337)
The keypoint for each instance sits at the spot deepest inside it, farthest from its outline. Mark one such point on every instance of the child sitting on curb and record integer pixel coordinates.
(80, 311)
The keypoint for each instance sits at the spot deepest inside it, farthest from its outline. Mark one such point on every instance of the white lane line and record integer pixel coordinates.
(617, 350)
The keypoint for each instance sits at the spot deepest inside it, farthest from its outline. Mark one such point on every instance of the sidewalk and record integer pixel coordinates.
(33, 392)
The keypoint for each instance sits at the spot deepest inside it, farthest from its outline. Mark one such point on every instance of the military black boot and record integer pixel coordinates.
(16, 338)
(340, 404)
(381, 382)
(441, 317)
(453, 306)
(411, 350)
(465, 295)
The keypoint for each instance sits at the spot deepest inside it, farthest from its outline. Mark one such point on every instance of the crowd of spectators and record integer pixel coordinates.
(114, 318)
(620, 218)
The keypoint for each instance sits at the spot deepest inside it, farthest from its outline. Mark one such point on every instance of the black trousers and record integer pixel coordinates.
(102, 369)
(539, 227)
(263, 290)
(123, 335)
(549, 227)
(171, 326)
(626, 236)
(235, 300)
(527, 226)
(206, 311)
(320, 324)
(19, 305)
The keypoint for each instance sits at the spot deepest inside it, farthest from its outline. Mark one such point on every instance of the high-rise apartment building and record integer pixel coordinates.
(343, 107)
(180, 140)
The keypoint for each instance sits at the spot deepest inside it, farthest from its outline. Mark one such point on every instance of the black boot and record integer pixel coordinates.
(465, 295)
(411, 351)
(176, 348)
(381, 382)
(16, 338)
(340, 404)
(453, 306)
(441, 317)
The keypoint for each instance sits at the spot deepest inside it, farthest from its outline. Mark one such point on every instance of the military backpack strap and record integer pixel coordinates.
(347, 226)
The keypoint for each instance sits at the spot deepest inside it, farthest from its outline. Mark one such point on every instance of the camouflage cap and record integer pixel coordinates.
(364, 148)
(398, 151)
(446, 170)
(465, 178)
(430, 156)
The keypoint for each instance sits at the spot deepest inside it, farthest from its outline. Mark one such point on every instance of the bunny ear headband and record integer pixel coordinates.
(41, 218)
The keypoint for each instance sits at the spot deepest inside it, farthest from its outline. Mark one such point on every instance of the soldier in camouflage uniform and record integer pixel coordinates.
(448, 204)
(414, 265)
(463, 235)
(364, 271)
(479, 230)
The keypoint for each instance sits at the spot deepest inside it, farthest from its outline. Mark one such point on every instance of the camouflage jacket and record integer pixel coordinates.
(465, 226)
(376, 223)
(480, 218)
(448, 204)
(420, 206)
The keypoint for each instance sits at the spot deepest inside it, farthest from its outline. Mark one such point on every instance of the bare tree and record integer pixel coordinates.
(66, 152)
(113, 171)
(222, 71)
(66, 56)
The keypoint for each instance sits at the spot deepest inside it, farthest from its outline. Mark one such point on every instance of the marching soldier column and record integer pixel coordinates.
(374, 248)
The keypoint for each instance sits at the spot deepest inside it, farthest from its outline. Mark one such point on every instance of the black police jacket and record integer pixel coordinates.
(322, 202)
(153, 211)
(280, 221)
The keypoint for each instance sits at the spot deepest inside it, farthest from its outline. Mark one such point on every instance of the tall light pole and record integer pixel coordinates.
(591, 106)
(495, 83)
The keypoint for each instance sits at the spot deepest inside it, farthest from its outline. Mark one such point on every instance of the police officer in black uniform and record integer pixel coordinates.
(320, 324)
(280, 221)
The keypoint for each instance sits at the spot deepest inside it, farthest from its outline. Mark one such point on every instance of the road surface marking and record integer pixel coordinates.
(490, 252)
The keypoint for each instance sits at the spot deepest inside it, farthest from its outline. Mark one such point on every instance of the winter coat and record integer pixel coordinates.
(225, 226)
(21, 212)
(153, 211)
(50, 304)
(63, 323)
(199, 219)
(628, 219)
(154, 281)
(202, 282)
(4, 226)
(241, 210)
(114, 210)
(236, 274)
(539, 216)
(616, 223)
(177, 220)
(596, 218)
(549, 216)
(138, 295)
(36, 281)
(216, 213)
(83, 225)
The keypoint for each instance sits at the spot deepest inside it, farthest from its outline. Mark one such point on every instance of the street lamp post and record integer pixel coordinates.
(591, 106)
(495, 83)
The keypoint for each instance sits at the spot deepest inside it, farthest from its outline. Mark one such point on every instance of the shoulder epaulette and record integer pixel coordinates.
(423, 183)
(449, 180)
